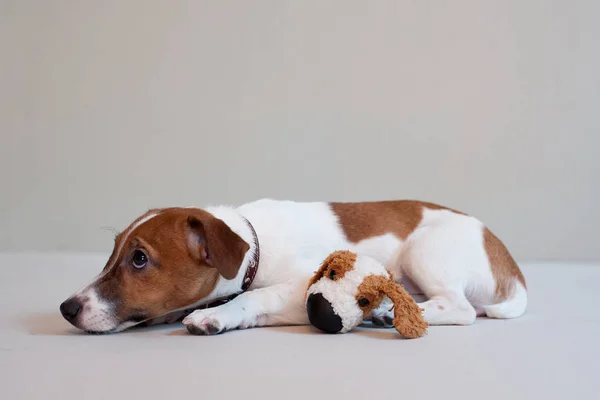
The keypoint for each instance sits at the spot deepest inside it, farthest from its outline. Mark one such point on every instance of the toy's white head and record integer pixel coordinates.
(334, 303)
(347, 286)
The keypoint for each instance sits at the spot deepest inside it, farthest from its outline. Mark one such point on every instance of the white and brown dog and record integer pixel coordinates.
(257, 259)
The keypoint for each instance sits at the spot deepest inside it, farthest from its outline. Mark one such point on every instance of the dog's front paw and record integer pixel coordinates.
(382, 316)
(201, 323)
(385, 321)
(206, 327)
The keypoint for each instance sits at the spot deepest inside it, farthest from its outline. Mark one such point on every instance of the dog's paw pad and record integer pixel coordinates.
(384, 321)
(205, 328)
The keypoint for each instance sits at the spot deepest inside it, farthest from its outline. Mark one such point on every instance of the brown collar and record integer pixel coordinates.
(248, 277)
(253, 266)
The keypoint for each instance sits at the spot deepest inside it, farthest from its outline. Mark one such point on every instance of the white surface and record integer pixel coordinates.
(550, 353)
(108, 108)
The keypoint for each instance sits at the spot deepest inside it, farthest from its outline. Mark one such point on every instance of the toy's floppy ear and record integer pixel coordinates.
(408, 319)
(343, 259)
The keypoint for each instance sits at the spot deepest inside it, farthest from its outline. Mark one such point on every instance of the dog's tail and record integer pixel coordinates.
(514, 306)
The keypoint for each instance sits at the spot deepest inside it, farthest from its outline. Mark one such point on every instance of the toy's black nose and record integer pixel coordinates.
(70, 308)
(321, 314)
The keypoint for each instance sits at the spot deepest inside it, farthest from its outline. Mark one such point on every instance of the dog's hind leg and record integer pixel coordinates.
(446, 260)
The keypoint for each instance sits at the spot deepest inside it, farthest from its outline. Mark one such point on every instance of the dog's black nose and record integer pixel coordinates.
(321, 314)
(70, 308)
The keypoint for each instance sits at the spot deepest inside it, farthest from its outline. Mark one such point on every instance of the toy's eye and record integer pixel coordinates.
(139, 259)
(332, 274)
(363, 302)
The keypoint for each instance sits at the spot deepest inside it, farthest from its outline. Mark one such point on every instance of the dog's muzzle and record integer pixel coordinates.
(321, 314)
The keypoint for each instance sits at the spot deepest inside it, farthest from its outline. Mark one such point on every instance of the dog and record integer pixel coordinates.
(223, 268)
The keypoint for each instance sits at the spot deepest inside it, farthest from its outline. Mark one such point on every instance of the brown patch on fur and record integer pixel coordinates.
(504, 268)
(408, 319)
(188, 250)
(339, 262)
(368, 219)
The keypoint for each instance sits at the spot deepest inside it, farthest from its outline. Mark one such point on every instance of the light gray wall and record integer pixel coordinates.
(109, 108)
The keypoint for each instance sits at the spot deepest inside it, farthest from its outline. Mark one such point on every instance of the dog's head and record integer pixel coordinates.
(166, 260)
(347, 286)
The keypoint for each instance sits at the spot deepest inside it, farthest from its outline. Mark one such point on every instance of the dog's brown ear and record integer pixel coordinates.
(408, 319)
(211, 242)
(339, 262)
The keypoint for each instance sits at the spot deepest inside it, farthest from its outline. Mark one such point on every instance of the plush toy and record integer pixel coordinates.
(347, 287)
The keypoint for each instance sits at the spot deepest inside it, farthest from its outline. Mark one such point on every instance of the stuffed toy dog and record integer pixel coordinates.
(348, 286)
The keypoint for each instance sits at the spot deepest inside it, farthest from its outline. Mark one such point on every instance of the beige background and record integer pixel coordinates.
(109, 108)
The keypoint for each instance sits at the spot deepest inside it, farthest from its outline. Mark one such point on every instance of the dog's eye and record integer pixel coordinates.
(363, 302)
(331, 274)
(140, 259)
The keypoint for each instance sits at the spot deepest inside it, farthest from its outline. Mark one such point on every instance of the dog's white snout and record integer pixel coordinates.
(88, 311)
